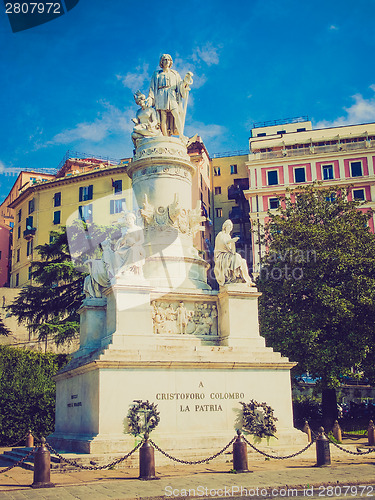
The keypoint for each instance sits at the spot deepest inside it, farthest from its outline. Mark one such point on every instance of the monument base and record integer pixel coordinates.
(197, 390)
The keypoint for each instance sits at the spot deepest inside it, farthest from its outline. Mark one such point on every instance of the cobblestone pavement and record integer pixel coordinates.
(267, 477)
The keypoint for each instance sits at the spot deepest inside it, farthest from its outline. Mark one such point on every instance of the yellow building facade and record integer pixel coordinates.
(97, 195)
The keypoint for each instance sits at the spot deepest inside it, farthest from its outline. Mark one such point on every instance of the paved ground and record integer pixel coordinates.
(267, 477)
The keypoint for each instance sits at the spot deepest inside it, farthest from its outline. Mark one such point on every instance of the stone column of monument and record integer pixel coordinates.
(157, 331)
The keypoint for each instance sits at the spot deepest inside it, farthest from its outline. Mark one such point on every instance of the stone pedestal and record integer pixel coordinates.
(238, 316)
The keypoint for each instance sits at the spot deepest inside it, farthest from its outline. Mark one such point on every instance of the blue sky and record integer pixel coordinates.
(68, 84)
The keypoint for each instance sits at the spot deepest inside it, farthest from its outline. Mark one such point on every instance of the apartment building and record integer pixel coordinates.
(290, 153)
(84, 188)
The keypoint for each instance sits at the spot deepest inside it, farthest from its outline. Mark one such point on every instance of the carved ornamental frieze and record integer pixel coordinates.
(186, 221)
(184, 318)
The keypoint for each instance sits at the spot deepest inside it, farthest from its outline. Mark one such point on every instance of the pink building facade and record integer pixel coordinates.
(288, 155)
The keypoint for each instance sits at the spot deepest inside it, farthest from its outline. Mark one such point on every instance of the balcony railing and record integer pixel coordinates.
(311, 150)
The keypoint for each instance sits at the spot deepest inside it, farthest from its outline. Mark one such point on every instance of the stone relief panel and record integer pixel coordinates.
(184, 220)
(184, 318)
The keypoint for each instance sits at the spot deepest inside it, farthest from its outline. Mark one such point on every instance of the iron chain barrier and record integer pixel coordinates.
(18, 463)
(277, 457)
(192, 462)
(15, 444)
(94, 467)
(371, 450)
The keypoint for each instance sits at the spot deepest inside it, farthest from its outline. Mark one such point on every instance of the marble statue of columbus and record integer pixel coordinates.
(230, 267)
(167, 90)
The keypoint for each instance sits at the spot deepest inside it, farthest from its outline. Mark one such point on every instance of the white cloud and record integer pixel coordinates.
(208, 53)
(2, 167)
(333, 27)
(135, 80)
(206, 131)
(110, 121)
(362, 111)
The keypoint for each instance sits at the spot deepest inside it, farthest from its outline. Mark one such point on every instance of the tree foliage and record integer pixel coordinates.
(49, 306)
(27, 392)
(4, 330)
(318, 283)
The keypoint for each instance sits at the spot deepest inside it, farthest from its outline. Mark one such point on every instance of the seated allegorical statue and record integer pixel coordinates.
(146, 121)
(126, 259)
(230, 267)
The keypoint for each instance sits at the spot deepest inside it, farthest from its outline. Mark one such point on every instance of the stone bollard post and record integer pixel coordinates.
(42, 467)
(147, 461)
(371, 433)
(336, 431)
(306, 429)
(323, 455)
(29, 440)
(240, 454)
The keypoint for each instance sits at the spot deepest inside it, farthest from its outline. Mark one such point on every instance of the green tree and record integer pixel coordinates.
(318, 287)
(27, 392)
(3, 329)
(49, 306)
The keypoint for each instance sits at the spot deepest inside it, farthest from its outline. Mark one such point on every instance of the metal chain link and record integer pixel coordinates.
(371, 450)
(278, 458)
(17, 463)
(93, 467)
(192, 462)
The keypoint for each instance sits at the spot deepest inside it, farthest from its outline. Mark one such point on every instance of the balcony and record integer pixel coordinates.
(313, 150)
(29, 233)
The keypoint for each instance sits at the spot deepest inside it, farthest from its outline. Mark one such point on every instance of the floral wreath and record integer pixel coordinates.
(253, 423)
(146, 411)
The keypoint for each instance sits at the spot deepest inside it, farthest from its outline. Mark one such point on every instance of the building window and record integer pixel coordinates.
(17, 279)
(272, 177)
(85, 213)
(299, 174)
(356, 168)
(19, 232)
(19, 215)
(57, 217)
(11, 224)
(219, 212)
(233, 169)
(359, 194)
(327, 172)
(331, 198)
(301, 129)
(218, 190)
(29, 223)
(262, 134)
(31, 206)
(29, 249)
(117, 186)
(30, 273)
(217, 171)
(117, 206)
(57, 200)
(18, 255)
(274, 203)
(85, 193)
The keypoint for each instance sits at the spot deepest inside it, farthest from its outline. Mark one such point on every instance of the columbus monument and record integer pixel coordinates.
(151, 326)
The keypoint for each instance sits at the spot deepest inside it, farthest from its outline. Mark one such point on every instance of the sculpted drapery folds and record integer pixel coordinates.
(167, 90)
(230, 267)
